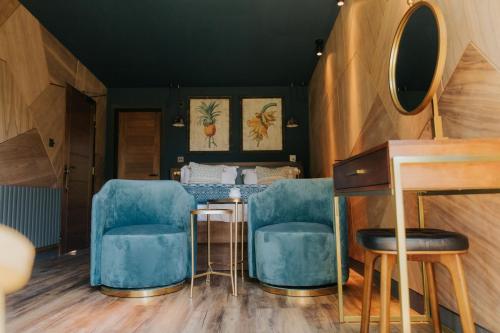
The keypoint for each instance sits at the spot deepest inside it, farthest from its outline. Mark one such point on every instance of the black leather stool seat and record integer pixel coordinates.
(417, 240)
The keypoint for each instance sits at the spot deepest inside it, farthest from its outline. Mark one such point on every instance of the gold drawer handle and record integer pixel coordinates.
(358, 172)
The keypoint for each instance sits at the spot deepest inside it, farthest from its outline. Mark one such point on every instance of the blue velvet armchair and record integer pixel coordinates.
(291, 240)
(140, 235)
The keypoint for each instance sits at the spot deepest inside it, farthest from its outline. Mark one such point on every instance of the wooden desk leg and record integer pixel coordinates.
(404, 294)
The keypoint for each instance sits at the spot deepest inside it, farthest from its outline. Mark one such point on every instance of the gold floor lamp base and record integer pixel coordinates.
(298, 292)
(146, 292)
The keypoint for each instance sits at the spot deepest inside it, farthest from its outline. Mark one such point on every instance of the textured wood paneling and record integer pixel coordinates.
(48, 112)
(87, 83)
(32, 63)
(20, 36)
(25, 162)
(61, 63)
(7, 7)
(350, 89)
(470, 103)
(376, 129)
(100, 141)
(14, 116)
(476, 217)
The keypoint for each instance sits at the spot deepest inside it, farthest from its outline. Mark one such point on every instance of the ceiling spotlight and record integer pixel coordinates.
(319, 47)
(340, 3)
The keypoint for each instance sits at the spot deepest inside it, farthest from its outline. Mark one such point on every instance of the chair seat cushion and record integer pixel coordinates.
(295, 254)
(143, 256)
(417, 240)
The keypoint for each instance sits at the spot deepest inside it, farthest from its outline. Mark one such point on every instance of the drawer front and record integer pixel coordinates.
(364, 171)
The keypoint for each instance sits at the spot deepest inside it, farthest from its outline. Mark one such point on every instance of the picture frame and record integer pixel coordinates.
(209, 124)
(262, 124)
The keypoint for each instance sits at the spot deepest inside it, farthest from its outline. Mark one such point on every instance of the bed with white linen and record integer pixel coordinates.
(208, 182)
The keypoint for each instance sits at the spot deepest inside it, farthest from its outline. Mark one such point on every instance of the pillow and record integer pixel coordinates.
(249, 176)
(204, 174)
(229, 174)
(269, 175)
(185, 174)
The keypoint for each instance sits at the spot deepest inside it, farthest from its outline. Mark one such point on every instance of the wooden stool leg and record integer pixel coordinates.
(387, 264)
(454, 265)
(431, 281)
(370, 258)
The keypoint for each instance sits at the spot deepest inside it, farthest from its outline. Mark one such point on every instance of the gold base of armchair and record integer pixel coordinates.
(298, 292)
(146, 292)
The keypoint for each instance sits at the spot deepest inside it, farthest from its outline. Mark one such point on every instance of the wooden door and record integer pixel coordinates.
(139, 144)
(78, 171)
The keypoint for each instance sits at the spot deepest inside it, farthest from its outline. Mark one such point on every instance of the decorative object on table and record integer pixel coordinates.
(262, 123)
(235, 193)
(209, 124)
(17, 255)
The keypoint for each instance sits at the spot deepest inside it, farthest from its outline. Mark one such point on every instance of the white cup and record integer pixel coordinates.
(235, 193)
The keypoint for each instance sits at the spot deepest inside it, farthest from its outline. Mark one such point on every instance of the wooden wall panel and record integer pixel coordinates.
(100, 141)
(25, 162)
(49, 114)
(87, 83)
(470, 103)
(14, 116)
(20, 36)
(477, 217)
(349, 89)
(61, 63)
(34, 69)
(7, 7)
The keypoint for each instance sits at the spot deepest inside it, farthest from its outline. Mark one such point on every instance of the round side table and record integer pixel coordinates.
(236, 202)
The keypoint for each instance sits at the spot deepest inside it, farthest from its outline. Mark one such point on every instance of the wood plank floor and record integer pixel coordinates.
(59, 299)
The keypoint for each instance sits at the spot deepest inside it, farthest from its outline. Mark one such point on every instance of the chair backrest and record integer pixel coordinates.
(145, 202)
(299, 200)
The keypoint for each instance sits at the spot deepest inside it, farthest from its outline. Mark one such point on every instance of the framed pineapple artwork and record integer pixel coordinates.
(209, 123)
(262, 124)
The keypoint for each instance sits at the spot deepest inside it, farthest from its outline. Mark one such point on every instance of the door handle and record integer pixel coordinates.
(66, 177)
(153, 175)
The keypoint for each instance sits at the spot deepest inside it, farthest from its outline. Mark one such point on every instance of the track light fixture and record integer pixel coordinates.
(319, 47)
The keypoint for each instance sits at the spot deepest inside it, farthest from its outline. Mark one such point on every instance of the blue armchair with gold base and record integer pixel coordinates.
(291, 240)
(140, 237)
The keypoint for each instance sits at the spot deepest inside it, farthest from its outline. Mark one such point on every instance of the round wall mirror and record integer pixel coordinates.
(417, 57)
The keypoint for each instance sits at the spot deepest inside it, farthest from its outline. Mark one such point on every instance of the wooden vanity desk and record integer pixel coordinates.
(447, 166)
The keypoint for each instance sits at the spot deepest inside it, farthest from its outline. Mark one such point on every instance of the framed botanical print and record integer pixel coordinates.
(262, 124)
(209, 124)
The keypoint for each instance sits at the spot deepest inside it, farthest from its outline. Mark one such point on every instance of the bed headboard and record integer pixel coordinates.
(175, 173)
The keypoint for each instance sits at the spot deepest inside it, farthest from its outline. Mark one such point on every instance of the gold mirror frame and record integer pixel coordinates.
(441, 58)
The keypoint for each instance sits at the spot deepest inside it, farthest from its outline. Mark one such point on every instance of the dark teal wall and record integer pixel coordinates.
(174, 140)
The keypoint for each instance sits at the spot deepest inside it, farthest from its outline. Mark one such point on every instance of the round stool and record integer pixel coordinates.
(426, 245)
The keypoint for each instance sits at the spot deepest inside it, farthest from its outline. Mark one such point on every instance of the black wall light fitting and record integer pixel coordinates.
(291, 122)
(319, 47)
(179, 119)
